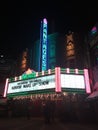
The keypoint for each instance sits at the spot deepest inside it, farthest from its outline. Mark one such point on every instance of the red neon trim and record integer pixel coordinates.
(43, 72)
(36, 74)
(76, 71)
(67, 70)
(57, 79)
(87, 82)
(6, 87)
(49, 71)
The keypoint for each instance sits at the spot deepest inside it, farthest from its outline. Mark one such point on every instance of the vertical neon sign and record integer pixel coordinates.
(44, 45)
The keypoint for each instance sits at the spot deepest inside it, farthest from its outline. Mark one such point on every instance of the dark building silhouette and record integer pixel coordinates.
(93, 55)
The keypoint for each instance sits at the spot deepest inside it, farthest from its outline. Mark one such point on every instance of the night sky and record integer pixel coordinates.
(20, 20)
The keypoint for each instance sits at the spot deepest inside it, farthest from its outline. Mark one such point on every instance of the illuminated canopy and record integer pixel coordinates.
(56, 80)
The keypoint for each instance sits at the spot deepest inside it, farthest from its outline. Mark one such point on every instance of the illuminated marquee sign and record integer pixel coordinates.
(44, 45)
(56, 80)
(40, 83)
(72, 81)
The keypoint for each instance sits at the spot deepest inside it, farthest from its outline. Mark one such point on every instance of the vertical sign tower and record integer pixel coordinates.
(44, 47)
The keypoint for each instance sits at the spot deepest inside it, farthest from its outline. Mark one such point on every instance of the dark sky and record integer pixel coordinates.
(20, 20)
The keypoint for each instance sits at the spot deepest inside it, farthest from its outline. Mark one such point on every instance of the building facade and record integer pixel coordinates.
(93, 51)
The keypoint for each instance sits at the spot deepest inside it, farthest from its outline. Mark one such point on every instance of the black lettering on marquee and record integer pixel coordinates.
(27, 85)
(16, 87)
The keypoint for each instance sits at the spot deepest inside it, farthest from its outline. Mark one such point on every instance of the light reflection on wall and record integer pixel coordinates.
(70, 49)
(24, 61)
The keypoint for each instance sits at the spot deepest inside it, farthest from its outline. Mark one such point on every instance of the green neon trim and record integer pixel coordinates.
(28, 76)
